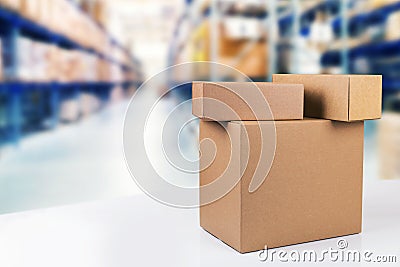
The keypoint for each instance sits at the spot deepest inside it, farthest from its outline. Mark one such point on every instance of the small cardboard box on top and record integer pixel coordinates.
(339, 97)
(313, 190)
(227, 101)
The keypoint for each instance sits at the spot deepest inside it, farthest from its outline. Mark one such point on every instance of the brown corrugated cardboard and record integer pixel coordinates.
(339, 97)
(312, 192)
(248, 101)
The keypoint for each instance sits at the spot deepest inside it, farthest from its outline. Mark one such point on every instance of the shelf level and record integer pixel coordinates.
(372, 50)
(40, 33)
(368, 18)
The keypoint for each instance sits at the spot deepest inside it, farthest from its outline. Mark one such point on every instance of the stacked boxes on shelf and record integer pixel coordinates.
(247, 55)
(55, 45)
(74, 23)
(292, 179)
(391, 27)
(63, 17)
(31, 9)
(42, 62)
(97, 10)
(11, 4)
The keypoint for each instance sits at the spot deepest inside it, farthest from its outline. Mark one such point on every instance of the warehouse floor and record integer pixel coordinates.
(78, 162)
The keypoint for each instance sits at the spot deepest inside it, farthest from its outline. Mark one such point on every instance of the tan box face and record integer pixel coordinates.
(339, 97)
(247, 101)
(313, 190)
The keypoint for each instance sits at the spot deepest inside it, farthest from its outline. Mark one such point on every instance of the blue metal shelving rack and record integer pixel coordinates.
(386, 48)
(286, 21)
(12, 25)
(363, 20)
(344, 27)
(294, 23)
(374, 52)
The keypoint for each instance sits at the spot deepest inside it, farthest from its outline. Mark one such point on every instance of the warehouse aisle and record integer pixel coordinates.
(84, 161)
(46, 170)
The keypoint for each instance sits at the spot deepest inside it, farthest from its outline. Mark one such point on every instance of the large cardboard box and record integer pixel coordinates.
(228, 101)
(313, 190)
(339, 97)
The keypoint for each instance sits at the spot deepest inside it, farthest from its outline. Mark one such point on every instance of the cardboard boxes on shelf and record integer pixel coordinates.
(11, 4)
(74, 23)
(65, 18)
(312, 191)
(100, 14)
(392, 26)
(30, 9)
(246, 55)
(104, 71)
(96, 9)
(42, 62)
(251, 62)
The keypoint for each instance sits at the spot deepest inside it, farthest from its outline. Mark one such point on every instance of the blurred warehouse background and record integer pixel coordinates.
(69, 68)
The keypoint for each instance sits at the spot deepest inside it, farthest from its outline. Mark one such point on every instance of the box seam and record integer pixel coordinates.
(240, 189)
(202, 99)
(348, 97)
(362, 178)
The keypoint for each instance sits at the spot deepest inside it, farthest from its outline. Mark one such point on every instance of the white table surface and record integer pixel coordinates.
(137, 231)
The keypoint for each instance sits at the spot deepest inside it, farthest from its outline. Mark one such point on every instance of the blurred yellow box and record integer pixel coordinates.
(248, 56)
